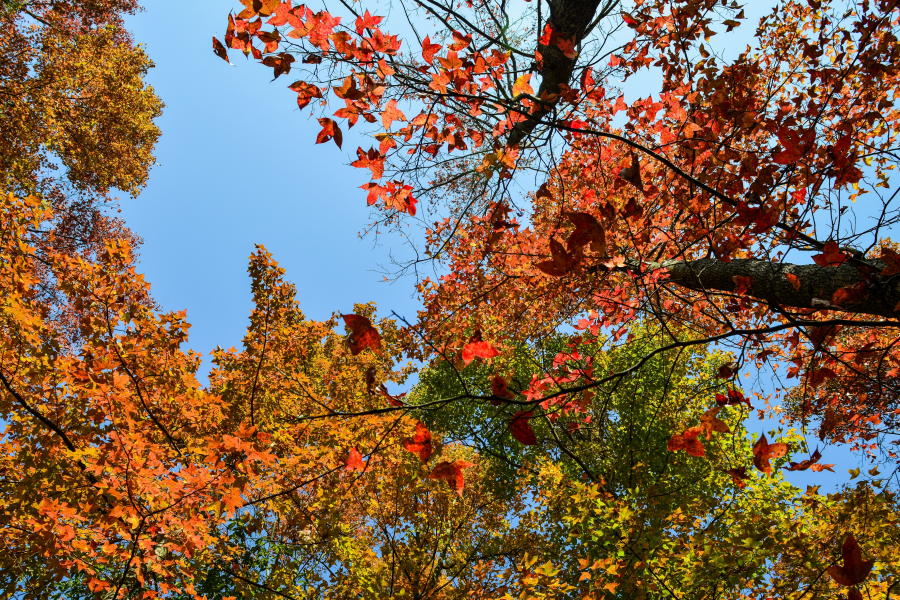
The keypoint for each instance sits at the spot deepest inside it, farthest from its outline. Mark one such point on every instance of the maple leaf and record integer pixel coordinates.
(460, 41)
(561, 261)
(687, 441)
(392, 400)
(809, 463)
(739, 476)
(372, 160)
(220, 50)
(587, 231)
(763, 451)
(742, 284)
(521, 86)
(354, 461)
(855, 570)
(391, 113)
(710, 422)
(451, 472)
(500, 389)
(632, 173)
(362, 334)
(305, 92)
(733, 398)
(851, 294)
(367, 21)
(478, 348)
(420, 443)
(429, 50)
(521, 429)
(794, 280)
(892, 260)
(831, 256)
(330, 130)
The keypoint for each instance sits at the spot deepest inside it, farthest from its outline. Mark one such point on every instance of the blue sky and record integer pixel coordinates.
(238, 166)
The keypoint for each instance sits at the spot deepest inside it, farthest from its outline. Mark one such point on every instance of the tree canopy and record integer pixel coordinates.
(596, 276)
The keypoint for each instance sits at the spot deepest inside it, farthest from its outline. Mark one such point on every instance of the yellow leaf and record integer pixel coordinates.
(521, 85)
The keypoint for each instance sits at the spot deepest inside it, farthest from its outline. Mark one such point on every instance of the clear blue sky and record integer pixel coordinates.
(238, 166)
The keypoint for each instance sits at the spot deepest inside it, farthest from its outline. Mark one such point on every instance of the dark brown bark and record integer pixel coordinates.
(817, 284)
(571, 20)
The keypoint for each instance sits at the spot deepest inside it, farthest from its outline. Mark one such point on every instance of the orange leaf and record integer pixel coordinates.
(429, 50)
(420, 443)
(763, 451)
(561, 261)
(354, 461)
(892, 260)
(451, 472)
(688, 442)
(220, 50)
(831, 256)
(521, 85)
(390, 114)
(795, 281)
(362, 334)
(478, 349)
(330, 130)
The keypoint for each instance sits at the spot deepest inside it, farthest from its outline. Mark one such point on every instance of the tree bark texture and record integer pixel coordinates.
(817, 284)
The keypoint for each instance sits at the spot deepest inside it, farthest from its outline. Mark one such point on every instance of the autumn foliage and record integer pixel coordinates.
(569, 414)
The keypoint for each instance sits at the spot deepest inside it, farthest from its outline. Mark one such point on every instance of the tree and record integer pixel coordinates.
(745, 203)
(77, 122)
(689, 211)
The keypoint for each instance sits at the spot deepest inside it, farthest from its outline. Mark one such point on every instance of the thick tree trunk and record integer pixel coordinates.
(817, 284)
(570, 19)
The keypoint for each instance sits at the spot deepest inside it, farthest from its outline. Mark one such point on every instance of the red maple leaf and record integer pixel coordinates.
(831, 256)
(854, 570)
(460, 41)
(561, 261)
(420, 443)
(220, 50)
(587, 231)
(390, 114)
(687, 441)
(500, 389)
(851, 294)
(809, 463)
(429, 50)
(476, 347)
(354, 461)
(372, 160)
(763, 451)
(330, 130)
(892, 260)
(734, 397)
(521, 429)
(451, 472)
(362, 334)
(739, 476)
(305, 92)
(367, 21)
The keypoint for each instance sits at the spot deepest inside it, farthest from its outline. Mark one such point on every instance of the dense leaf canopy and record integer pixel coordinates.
(574, 422)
